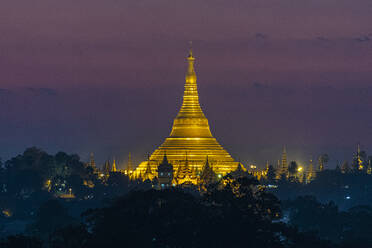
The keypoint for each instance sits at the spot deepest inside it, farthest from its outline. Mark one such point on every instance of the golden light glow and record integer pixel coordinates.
(48, 184)
(88, 183)
(191, 134)
(7, 213)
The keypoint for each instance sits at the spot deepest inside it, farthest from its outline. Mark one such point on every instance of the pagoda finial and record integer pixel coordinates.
(191, 75)
(190, 50)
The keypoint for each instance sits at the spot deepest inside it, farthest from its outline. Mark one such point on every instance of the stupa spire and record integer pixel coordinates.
(191, 121)
(130, 164)
(92, 162)
(113, 169)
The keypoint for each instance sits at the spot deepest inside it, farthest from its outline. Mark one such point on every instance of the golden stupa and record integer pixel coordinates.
(190, 140)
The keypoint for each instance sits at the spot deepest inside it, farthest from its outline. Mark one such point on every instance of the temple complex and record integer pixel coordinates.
(190, 140)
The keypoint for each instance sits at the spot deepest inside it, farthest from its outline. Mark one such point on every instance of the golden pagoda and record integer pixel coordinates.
(311, 173)
(283, 169)
(191, 135)
(113, 168)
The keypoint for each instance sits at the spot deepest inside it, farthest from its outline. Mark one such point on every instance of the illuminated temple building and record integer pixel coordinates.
(190, 141)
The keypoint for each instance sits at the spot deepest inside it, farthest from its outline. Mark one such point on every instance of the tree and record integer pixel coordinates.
(51, 216)
(36, 170)
(72, 236)
(230, 214)
(117, 184)
(310, 215)
(323, 160)
(292, 169)
(271, 173)
(345, 168)
(20, 241)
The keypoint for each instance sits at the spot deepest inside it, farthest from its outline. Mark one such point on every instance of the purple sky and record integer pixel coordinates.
(107, 76)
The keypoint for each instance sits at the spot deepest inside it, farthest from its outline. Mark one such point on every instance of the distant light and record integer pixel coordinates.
(7, 213)
(219, 176)
(299, 169)
(348, 197)
(253, 166)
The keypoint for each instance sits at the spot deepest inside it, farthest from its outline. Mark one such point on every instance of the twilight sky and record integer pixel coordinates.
(107, 76)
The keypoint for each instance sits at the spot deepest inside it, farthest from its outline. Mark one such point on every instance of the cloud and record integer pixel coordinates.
(42, 91)
(5, 91)
(322, 38)
(363, 38)
(259, 85)
(261, 36)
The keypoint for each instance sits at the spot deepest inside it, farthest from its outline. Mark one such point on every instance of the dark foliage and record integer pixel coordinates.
(21, 241)
(345, 227)
(72, 236)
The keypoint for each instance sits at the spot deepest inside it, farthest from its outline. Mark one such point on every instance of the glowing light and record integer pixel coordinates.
(7, 213)
(299, 169)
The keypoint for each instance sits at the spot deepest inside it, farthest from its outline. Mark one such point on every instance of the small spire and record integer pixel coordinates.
(148, 171)
(207, 162)
(92, 162)
(113, 166)
(130, 163)
(107, 167)
(165, 159)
